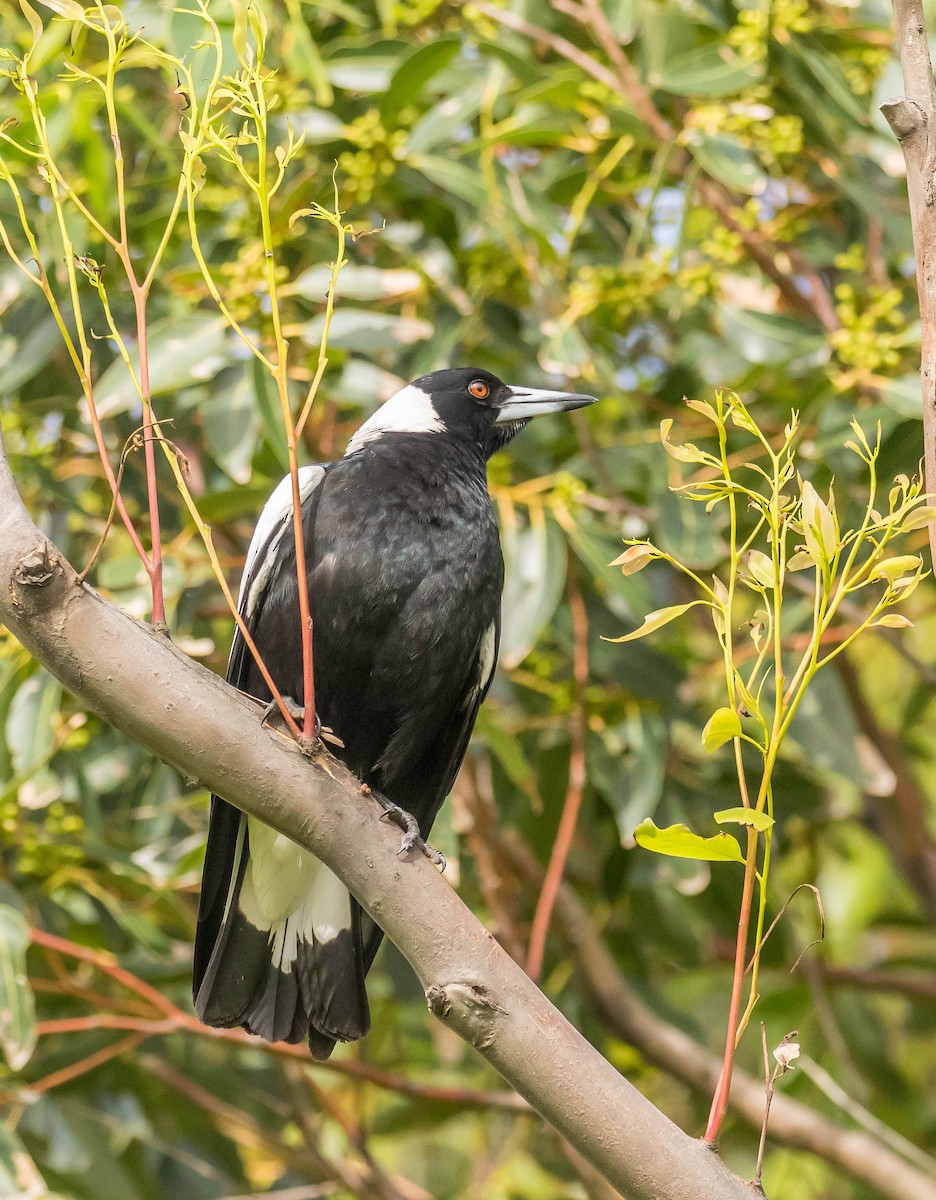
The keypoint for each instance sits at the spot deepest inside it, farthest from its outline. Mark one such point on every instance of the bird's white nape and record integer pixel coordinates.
(410, 410)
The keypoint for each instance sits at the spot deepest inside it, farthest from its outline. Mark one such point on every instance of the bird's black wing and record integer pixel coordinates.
(278, 944)
(422, 790)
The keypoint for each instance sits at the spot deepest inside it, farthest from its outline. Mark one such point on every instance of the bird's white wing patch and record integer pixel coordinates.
(409, 410)
(487, 661)
(275, 519)
(290, 895)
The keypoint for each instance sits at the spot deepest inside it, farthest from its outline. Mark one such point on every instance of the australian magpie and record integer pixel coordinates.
(405, 574)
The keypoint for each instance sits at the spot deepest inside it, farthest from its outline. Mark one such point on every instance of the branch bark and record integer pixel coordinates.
(913, 120)
(141, 684)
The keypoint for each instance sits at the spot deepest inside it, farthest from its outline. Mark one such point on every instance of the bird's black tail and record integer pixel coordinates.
(278, 949)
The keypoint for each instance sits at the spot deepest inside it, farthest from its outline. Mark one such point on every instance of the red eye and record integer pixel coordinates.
(479, 389)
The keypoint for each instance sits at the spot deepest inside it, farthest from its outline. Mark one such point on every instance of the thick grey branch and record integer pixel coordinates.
(139, 682)
(913, 119)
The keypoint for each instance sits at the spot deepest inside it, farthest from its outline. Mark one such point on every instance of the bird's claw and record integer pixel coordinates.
(293, 707)
(412, 838)
(297, 712)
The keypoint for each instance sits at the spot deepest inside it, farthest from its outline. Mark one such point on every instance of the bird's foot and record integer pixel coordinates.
(293, 707)
(412, 838)
(297, 712)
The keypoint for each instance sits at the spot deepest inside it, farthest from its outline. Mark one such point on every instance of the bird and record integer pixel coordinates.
(404, 576)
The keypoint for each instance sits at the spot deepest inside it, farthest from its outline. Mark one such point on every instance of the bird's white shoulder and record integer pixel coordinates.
(274, 521)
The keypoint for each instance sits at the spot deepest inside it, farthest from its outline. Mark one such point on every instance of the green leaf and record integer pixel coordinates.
(723, 725)
(365, 68)
(452, 177)
(414, 73)
(904, 396)
(535, 571)
(19, 1176)
(232, 423)
(712, 70)
(656, 620)
(17, 1006)
(356, 282)
(744, 816)
(678, 841)
(765, 337)
(66, 8)
(726, 160)
(183, 351)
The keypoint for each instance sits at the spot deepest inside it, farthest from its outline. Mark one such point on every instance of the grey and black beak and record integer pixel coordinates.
(524, 403)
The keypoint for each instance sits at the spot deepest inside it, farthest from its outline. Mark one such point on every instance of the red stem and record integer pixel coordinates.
(305, 617)
(172, 1020)
(720, 1099)
(111, 478)
(574, 792)
(67, 1074)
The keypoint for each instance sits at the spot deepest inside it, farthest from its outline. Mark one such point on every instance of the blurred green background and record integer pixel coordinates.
(642, 198)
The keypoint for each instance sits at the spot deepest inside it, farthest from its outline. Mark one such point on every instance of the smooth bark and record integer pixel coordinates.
(144, 686)
(913, 120)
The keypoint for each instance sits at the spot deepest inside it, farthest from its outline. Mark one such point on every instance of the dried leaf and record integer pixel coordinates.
(635, 558)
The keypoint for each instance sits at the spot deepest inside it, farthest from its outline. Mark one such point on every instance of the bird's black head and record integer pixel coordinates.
(466, 403)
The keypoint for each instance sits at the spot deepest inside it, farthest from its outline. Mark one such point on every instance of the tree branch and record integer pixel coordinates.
(138, 681)
(912, 119)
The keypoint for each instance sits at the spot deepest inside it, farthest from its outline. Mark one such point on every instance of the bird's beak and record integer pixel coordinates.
(524, 403)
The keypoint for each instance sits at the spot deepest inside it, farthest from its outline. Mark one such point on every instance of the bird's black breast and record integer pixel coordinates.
(405, 575)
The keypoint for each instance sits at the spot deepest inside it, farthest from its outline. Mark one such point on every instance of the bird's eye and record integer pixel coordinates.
(479, 389)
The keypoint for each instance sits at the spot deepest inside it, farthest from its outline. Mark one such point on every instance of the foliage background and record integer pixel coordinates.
(719, 203)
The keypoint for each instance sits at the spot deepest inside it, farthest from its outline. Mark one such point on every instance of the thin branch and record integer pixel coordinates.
(912, 118)
(84, 1065)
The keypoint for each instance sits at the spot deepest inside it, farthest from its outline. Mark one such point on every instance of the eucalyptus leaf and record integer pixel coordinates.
(712, 70)
(535, 571)
(725, 159)
(414, 73)
(17, 1005)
